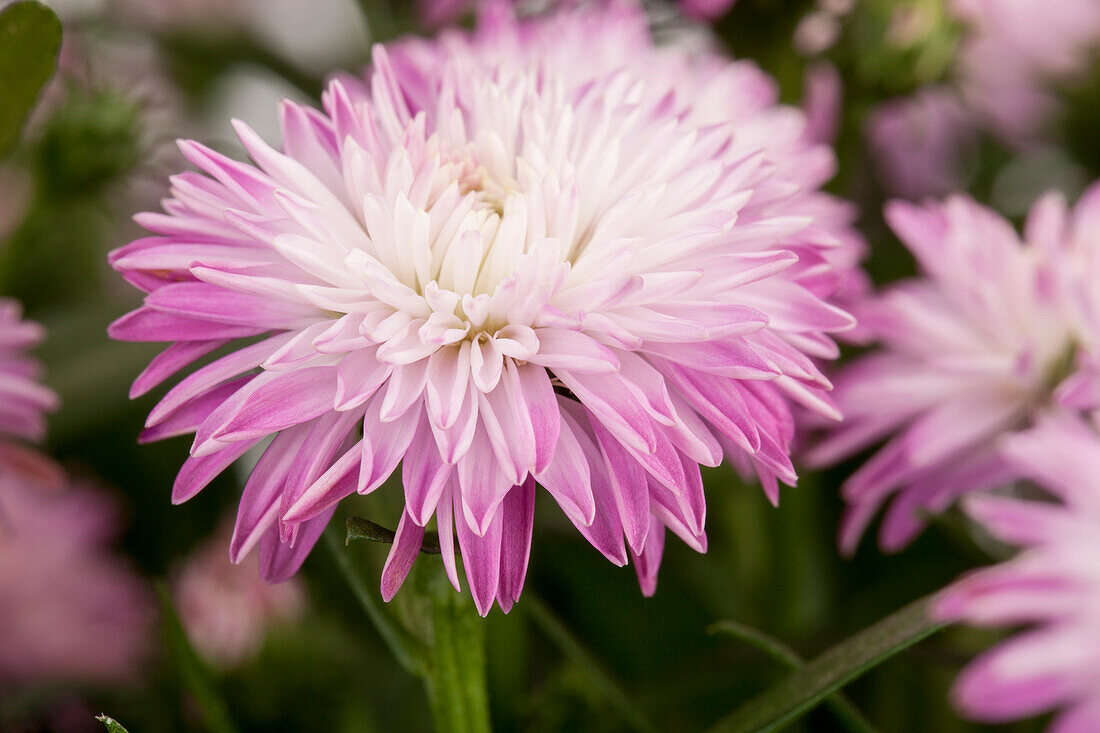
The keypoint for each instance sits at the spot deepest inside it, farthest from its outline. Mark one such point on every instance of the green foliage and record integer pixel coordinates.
(826, 674)
(112, 725)
(364, 529)
(30, 39)
(91, 142)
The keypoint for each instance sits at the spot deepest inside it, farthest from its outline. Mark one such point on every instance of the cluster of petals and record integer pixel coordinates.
(1052, 586)
(71, 610)
(226, 609)
(500, 269)
(24, 401)
(988, 338)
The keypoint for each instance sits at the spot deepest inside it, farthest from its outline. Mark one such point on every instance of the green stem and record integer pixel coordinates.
(847, 713)
(411, 654)
(557, 632)
(196, 676)
(456, 679)
(827, 673)
(452, 664)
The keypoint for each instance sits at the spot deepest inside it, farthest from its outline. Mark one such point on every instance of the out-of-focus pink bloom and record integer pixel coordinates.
(500, 265)
(816, 33)
(970, 351)
(70, 609)
(23, 400)
(822, 101)
(919, 143)
(1015, 49)
(227, 609)
(1052, 585)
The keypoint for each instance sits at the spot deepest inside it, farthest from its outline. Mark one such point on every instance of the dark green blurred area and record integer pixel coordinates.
(86, 159)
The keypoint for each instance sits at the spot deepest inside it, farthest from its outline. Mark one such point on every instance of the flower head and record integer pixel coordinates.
(227, 609)
(920, 142)
(973, 349)
(1053, 585)
(70, 610)
(23, 401)
(499, 269)
(1013, 51)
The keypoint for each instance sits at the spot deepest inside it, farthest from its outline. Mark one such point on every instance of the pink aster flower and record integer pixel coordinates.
(227, 609)
(70, 609)
(1015, 49)
(23, 400)
(500, 270)
(971, 350)
(919, 143)
(1053, 585)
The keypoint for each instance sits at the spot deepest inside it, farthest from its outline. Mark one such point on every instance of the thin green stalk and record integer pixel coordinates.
(847, 713)
(196, 676)
(456, 680)
(545, 619)
(452, 663)
(821, 677)
(411, 653)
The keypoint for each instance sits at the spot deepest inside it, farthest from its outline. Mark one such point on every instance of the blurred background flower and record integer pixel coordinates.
(71, 610)
(1053, 586)
(226, 609)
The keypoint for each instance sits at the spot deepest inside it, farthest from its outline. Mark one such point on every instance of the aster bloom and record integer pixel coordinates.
(23, 400)
(227, 609)
(975, 348)
(70, 609)
(499, 271)
(1014, 50)
(920, 143)
(1053, 586)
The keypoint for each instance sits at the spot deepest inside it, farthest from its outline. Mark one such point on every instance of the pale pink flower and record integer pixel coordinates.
(23, 399)
(1053, 586)
(70, 609)
(969, 351)
(501, 267)
(1013, 53)
(920, 144)
(227, 609)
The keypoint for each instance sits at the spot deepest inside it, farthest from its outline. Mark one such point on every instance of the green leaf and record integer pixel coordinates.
(112, 725)
(456, 678)
(845, 711)
(833, 669)
(30, 39)
(364, 529)
(195, 675)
